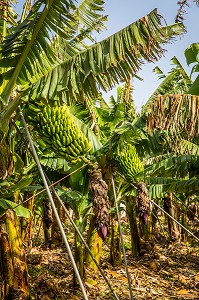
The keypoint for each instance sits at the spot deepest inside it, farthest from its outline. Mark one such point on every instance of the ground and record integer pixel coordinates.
(166, 271)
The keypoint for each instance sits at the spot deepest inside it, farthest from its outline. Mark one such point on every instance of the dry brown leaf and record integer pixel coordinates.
(153, 266)
(165, 272)
(123, 279)
(156, 281)
(53, 246)
(140, 289)
(114, 274)
(196, 278)
(90, 286)
(182, 292)
(45, 297)
(74, 297)
(91, 281)
(182, 279)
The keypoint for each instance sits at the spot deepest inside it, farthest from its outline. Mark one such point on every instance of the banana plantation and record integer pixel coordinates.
(97, 201)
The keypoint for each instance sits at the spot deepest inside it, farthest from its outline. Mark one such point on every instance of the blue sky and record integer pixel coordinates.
(123, 12)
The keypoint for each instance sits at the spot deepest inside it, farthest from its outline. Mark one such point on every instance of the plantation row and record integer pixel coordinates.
(103, 158)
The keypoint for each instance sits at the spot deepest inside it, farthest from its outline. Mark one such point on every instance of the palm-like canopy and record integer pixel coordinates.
(31, 64)
(175, 116)
(166, 136)
(177, 81)
(178, 113)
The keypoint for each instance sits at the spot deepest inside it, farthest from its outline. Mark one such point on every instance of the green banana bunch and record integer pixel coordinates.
(60, 133)
(127, 161)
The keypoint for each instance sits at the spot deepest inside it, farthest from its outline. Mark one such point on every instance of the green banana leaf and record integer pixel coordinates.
(180, 186)
(18, 209)
(100, 66)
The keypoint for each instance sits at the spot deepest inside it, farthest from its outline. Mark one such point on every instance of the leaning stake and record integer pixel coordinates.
(189, 232)
(53, 205)
(120, 231)
(82, 239)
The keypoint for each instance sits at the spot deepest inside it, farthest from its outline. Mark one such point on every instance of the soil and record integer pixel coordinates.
(164, 271)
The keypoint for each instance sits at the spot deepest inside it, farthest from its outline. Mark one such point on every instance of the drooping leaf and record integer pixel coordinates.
(23, 183)
(55, 163)
(177, 81)
(18, 209)
(173, 167)
(177, 186)
(191, 53)
(102, 65)
(176, 113)
(194, 89)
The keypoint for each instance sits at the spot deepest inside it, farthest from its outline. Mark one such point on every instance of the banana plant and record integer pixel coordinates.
(177, 81)
(164, 138)
(177, 116)
(44, 55)
(28, 73)
(11, 208)
(81, 204)
(31, 66)
(191, 55)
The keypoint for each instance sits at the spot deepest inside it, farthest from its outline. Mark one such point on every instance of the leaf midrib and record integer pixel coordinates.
(9, 87)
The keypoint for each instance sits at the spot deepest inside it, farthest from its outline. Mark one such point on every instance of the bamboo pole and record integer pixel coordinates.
(189, 232)
(53, 206)
(83, 241)
(122, 241)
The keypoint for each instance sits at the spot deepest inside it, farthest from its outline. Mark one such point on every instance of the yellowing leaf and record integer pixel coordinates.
(114, 274)
(90, 286)
(182, 279)
(74, 297)
(123, 278)
(153, 266)
(91, 281)
(182, 292)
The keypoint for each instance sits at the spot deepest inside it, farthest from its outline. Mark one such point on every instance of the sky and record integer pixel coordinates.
(121, 13)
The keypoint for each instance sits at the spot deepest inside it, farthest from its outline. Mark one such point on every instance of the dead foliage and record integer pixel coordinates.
(168, 271)
(178, 113)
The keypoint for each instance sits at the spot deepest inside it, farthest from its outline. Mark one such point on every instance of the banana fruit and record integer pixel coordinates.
(128, 161)
(56, 126)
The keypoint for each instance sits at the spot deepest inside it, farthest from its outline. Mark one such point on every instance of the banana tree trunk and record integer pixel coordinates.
(131, 209)
(115, 246)
(56, 237)
(115, 249)
(6, 159)
(79, 254)
(95, 244)
(143, 203)
(26, 224)
(99, 224)
(47, 221)
(184, 221)
(172, 226)
(13, 261)
(154, 216)
(146, 230)
(100, 200)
